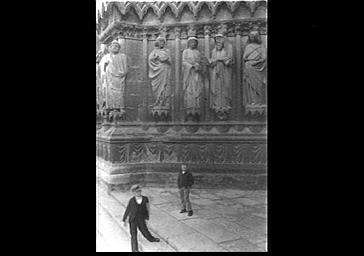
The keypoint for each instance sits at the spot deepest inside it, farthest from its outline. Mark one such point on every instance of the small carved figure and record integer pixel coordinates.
(194, 69)
(116, 69)
(159, 71)
(254, 77)
(221, 77)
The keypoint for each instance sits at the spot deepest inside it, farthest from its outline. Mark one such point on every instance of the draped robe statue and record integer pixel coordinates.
(160, 71)
(193, 71)
(221, 76)
(115, 66)
(254, 77)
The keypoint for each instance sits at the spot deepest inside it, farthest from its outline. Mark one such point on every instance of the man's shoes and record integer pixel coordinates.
(156, 239)
(190, 213)
(182, 211)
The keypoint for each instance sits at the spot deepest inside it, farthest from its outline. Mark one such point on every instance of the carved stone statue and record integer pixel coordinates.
(194, 69)
(254, 75)
(160, 71)
(221, 77)
(116, 69)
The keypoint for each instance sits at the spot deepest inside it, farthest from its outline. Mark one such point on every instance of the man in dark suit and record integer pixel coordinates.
(138, 211)
(185, 182)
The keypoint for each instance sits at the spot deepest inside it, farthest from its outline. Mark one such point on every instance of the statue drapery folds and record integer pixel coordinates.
(221, 77)
(194, 71)
(116, 69)
(159, 72)
(254, 73)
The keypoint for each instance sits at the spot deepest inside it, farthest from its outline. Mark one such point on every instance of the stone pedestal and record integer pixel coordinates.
(219, 154)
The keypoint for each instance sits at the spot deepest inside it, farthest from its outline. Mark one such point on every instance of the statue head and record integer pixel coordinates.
(115, 47)
(219, 41)
(254, 37)
(192, 42)
(160, 42)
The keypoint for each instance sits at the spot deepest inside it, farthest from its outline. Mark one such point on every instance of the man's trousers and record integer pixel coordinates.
(185, 199)
(142, 226)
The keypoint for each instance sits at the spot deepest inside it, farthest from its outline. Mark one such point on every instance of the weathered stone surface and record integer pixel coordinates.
(174, 209)
(241, 245)
(211, 229)
(246, 201)
(195, 242)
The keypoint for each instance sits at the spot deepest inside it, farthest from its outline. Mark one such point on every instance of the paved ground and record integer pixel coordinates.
(223, 220)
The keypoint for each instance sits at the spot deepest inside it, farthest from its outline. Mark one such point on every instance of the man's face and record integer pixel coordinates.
(138, 192)
(114, 48)
(183, 167)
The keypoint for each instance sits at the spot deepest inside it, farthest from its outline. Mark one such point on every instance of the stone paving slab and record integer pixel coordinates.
(246, 201)
(206, 213)
(174, 211)
(241, 245)
(211, 229)
(223, 220)
(194, 242)
(227, 194)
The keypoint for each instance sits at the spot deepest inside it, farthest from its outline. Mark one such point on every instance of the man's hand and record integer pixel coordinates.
(124, 223)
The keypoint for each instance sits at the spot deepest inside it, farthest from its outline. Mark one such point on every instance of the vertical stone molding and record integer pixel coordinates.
(207, 33)
(178, 100)
(145, 77)
(239, 71)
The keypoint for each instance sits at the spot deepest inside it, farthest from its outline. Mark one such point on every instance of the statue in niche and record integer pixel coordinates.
(221, 62)
(254, 77)
(194, 70)
(160, 71)
(116, 69)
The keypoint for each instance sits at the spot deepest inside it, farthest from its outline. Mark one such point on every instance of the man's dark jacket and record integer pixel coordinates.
(131, 209)
(185, 180)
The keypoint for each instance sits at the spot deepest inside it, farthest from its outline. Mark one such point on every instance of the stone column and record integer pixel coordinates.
(206, 92)
(145, 78)
(238, 98)
(178, 98)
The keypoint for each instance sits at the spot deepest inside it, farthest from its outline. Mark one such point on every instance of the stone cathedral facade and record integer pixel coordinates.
(224, 142)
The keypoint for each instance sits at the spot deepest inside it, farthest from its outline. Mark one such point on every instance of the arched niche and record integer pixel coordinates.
(261, 12)
(150, 18)
(204, 14)
(242, 12)
(223, 12)
(187, 15)
(169, 17)
(131, 15)
(116, 15)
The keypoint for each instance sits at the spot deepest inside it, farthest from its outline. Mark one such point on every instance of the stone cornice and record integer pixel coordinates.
(159, 8)
(229, 28)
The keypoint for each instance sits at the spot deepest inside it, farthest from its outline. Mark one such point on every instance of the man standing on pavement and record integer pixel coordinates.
(138, 211)
(185, 182)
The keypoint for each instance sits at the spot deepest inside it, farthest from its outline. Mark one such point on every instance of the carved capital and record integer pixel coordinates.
(177, 32)
(191, 31)
(237, 28)
(222, 29)
(207, 30)
(163, 31)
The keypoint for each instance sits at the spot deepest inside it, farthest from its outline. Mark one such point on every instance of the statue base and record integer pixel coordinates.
(256, 108)
(219, 154)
